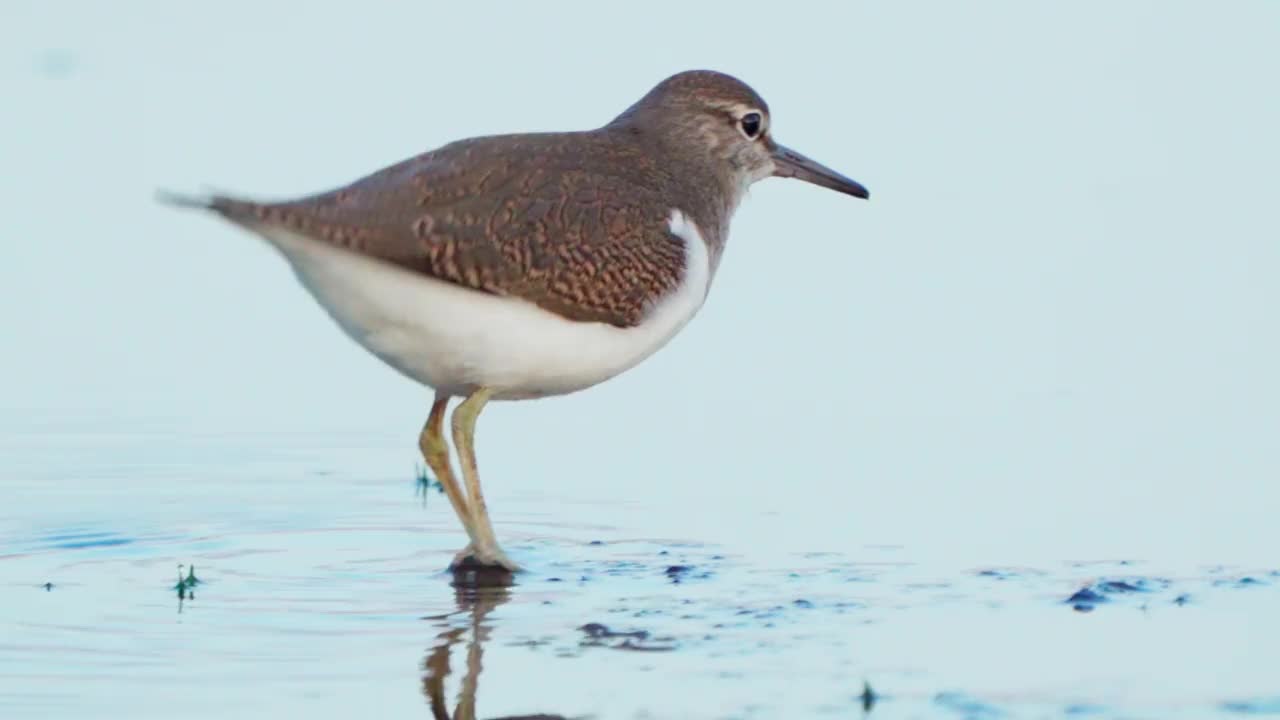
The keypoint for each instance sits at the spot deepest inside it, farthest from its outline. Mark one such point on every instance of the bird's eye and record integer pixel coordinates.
(751, 125)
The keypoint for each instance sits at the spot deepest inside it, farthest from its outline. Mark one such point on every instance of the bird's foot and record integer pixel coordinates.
(485, 559)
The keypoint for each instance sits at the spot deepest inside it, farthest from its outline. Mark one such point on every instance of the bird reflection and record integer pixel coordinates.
(475, 597)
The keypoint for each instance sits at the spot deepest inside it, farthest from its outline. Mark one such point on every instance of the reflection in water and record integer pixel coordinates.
(475, 598)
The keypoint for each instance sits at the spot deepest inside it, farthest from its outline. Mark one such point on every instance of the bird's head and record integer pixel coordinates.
(707, 111)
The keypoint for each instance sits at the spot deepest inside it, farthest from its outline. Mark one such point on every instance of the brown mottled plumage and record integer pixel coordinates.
(574, 222)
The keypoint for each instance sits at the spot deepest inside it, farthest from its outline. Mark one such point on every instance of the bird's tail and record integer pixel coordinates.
(202, 202)
(231, 208)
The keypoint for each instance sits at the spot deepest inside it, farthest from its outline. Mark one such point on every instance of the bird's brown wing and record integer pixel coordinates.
(516, 216)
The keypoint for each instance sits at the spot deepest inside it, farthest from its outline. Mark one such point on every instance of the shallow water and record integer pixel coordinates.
(1000, 443)
(322, 593)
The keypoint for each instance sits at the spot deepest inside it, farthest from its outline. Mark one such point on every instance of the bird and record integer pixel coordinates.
(529, 265)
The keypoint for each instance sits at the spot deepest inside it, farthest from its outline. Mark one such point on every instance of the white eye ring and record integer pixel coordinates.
(751, 125)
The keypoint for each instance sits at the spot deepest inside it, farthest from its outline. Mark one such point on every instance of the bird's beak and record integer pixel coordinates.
(789, 163)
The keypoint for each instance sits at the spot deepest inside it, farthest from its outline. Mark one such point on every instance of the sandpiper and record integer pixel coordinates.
(523, 266)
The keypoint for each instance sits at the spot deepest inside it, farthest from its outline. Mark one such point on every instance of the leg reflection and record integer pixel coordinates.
(475, 600)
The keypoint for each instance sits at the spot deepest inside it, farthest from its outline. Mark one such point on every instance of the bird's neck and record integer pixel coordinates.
(717, 199)
(710, 197)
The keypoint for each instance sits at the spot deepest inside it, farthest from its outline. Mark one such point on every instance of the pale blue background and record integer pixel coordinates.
(1050, 334)
(1057, 311)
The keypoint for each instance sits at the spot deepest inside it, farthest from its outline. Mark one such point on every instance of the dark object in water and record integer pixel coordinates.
(639, 640)
(633, 645)
(1086, 595)
(680, 573)
(1118, 586)
(1244, 582)
(597, 631)
(868, 697)
(1084, 599)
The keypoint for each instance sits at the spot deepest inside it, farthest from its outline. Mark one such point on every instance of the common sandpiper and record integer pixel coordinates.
(522, 266)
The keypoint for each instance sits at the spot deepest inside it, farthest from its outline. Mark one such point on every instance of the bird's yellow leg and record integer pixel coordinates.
(485, 544)
(435, 450)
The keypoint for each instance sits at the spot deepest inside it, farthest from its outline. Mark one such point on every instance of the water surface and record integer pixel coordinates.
(322, 592)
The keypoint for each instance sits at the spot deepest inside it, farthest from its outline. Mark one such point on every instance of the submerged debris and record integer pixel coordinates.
(680, 573)
(1084, 599)
(600, 630)
(868, 697)
(1118, 586)
(597, 634)
(1243, 582)
(186, 586)
(1086, 595)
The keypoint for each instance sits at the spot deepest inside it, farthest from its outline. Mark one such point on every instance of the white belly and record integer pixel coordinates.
(454, 340)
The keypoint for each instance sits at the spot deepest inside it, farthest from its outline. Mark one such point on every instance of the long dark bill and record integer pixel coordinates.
(789, 163)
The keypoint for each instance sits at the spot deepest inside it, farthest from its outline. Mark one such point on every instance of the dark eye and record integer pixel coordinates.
(751, 124)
